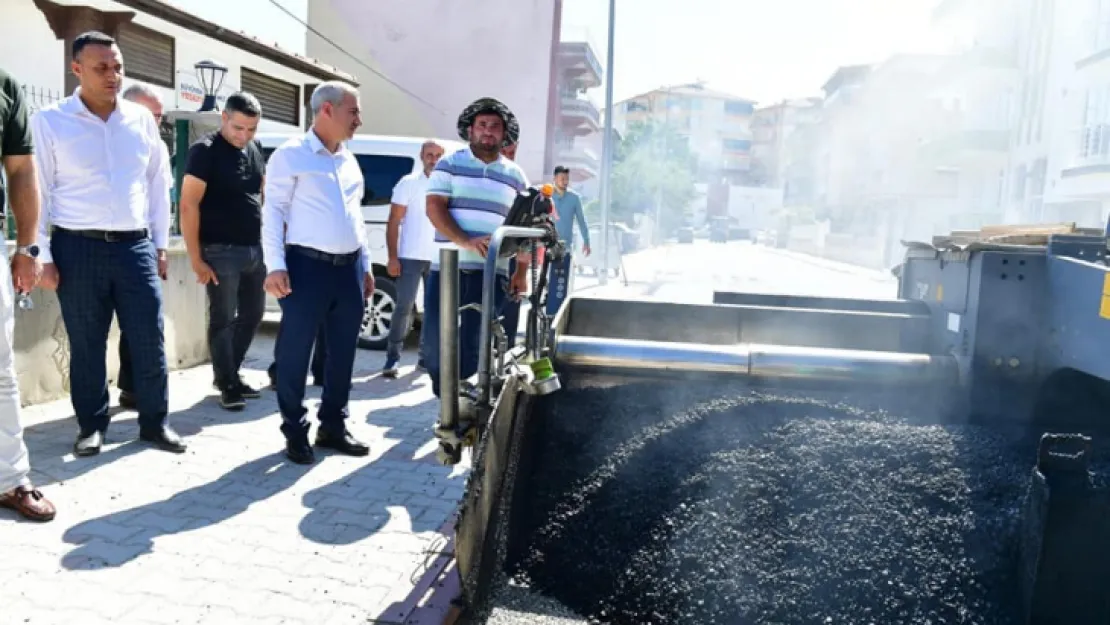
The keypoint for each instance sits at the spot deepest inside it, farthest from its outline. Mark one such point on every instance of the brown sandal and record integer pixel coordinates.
(28, 502)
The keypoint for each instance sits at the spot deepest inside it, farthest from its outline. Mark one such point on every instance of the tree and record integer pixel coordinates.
(653, 165)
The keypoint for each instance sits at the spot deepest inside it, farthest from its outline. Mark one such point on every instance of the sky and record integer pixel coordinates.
(765, 50)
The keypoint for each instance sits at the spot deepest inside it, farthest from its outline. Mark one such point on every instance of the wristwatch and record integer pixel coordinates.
(28, 250)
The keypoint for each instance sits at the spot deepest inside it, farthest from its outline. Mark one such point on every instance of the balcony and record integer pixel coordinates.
(1086, 171)
(1091, 153)
(578, 60)
(583, 163)
(579, 115)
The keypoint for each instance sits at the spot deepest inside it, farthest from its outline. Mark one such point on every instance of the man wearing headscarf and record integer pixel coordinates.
(469, 194)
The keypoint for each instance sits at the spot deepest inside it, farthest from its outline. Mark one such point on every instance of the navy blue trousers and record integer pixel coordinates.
(325, 295)
(319, 357)
(96, 280)
(470, 292)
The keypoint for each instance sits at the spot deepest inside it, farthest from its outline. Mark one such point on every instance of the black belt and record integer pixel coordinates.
(110, 236)
(334, 259)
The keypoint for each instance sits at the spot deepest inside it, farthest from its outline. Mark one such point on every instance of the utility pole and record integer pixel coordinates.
(660, 153)
(607, 148)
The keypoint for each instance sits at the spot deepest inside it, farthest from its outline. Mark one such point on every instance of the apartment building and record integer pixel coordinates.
(799, 158)
(835, 143)
(771, 128)
(869, 179)
(717, 125)
(1075, 115)
(576, 139)
(973, 96)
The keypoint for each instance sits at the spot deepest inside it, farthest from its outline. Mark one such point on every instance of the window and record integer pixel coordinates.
(148, 55)
(381, 174)
(737, 145)
(1094, 137)
(280, 100)
(737, 107)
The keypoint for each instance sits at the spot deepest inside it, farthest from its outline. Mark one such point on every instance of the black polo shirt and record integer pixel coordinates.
(231, 210)
(15, 131)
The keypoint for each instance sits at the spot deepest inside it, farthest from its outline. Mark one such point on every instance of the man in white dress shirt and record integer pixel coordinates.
(410, 240)
(314, 246)
(102, 174)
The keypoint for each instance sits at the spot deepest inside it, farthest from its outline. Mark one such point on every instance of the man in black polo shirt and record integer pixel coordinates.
(221, 222)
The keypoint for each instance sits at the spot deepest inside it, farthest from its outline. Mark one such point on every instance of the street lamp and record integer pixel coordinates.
(211, 75)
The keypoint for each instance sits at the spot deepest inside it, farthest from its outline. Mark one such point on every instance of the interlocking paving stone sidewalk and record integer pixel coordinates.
(230, 532)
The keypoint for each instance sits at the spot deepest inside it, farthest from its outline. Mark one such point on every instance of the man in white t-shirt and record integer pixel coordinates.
(410, 239)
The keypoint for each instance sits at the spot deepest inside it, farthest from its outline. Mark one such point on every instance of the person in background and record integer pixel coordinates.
(125, 381)
(568, 212)
(319, 266)
(104, 182)
(221, 222)
(469, 195)
(410, 239)
(16, 150)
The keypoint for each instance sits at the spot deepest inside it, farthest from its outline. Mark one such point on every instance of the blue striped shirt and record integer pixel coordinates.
(479, 196)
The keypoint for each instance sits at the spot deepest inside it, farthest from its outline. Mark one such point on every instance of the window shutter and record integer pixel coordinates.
(148, 55)
(280, 100)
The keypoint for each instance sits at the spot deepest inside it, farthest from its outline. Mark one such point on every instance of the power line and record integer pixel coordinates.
(355, 58)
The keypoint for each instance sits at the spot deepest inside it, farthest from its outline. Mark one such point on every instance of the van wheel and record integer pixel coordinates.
(377, 318)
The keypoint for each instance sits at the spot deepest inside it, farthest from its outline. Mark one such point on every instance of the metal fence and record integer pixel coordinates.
(39, 97)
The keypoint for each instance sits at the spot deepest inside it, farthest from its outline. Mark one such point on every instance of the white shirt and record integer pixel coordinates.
(101, 175)
(417, 233)
(312, 198)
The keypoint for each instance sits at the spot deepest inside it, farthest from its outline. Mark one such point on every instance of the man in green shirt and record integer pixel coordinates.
(16, 150)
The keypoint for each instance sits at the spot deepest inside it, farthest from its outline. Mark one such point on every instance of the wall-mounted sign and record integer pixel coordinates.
(189, 91)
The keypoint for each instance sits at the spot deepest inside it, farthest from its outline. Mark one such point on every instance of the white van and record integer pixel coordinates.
(384, 161)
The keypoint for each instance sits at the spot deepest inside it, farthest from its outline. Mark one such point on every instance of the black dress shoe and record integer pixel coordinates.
(248, 391)
(343, 443)
(232, 399)
(88, 444)
(164, 438)
(300, 452)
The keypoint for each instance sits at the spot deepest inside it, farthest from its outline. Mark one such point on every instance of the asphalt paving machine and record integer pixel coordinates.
(933, 458)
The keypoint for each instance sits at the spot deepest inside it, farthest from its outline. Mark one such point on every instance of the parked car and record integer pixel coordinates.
(384, 161)
(686, 235)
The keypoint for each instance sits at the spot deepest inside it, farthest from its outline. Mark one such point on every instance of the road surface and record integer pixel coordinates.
(231, 533)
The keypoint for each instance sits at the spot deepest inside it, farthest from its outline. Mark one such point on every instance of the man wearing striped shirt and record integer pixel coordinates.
(469, 194)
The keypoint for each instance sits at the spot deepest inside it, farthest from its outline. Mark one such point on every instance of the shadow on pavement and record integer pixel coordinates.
(404, 478)
(116, 539)
(50, 444)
